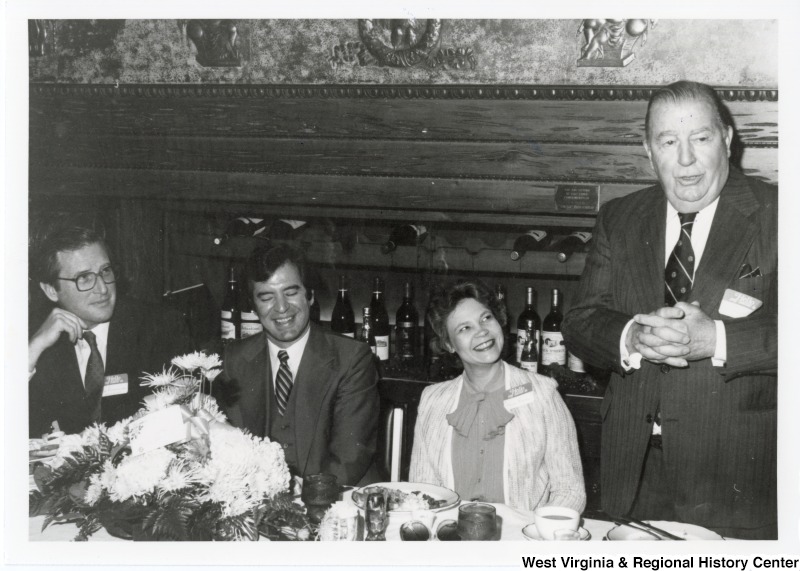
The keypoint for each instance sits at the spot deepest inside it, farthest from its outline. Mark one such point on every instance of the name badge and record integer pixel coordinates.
(737, 304)
(115, 385)
(518, 396)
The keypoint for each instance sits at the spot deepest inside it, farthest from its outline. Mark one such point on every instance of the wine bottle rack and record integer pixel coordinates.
(423, 258)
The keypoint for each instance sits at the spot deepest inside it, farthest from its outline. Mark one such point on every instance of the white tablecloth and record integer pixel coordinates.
(511, 524)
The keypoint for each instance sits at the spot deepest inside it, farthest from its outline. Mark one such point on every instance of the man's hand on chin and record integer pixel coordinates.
(59, 321)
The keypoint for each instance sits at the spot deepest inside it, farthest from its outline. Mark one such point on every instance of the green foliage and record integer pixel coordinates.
(169, 520)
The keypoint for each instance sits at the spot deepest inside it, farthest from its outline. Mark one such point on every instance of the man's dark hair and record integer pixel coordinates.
(63, 238)
(263, 262)
(689, 91)
(444, 302)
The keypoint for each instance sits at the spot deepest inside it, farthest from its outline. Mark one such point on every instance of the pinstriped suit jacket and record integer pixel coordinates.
(719, 424)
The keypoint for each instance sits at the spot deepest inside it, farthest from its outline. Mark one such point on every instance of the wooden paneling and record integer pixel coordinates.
(451, 157)
(439, 119)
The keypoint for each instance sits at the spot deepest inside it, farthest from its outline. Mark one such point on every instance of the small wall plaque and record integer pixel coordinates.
(577, 198)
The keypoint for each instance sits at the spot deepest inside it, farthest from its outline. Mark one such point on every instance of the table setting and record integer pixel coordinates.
(424, 512)
(177, 471)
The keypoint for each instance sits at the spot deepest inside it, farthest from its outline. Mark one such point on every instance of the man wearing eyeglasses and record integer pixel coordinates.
(86, 358)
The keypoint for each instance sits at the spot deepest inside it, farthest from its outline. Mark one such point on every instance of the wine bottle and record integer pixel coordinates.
(367, 335)
(406, 326)
(342, 319)
(531, 241)
(285, 229)
(528, 324)
(242, 226)
(528, 358)
(576, 365)
(554, 352)
(380, 321)
(250, 323)
(573, 243)
(229, 311)
(405, 235)
(313, 309)
(500, 294)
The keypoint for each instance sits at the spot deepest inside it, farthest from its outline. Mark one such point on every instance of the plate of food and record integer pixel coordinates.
(40, 449)
(684, 530)
(409, 496)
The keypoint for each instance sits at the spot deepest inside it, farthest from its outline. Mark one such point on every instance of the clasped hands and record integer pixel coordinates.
(673, 335)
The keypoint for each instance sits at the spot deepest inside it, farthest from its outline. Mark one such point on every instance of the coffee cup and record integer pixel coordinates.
(549, 519)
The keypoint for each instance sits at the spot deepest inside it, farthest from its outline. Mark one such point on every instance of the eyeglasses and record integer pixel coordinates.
(87, 280)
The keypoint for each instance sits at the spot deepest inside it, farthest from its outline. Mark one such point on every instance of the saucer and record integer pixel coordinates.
(532, 534)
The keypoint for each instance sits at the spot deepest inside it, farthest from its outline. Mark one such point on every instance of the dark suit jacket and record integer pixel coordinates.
(719, 424)
(141, 339)
(335, 395)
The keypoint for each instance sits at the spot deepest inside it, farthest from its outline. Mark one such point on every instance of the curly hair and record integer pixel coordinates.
(444, 301)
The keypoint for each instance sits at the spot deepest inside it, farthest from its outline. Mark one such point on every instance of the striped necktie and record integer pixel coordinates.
(679, 272)
(283, 382)
(95, 376)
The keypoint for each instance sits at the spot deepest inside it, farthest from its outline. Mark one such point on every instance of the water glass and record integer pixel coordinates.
(319, 493)
(477, 522)
(376, 515)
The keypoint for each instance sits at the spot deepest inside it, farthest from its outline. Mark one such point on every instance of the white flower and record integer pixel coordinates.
(212, 374)
(95, 490)
(160, 400)
(138, 475)
(242, 470)
(178, 477)
(165, 378)
(91, 435)
(67, 446)
(197, 360)
(118, 433)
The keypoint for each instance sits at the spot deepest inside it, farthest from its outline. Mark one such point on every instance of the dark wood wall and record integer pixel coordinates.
(479, 164)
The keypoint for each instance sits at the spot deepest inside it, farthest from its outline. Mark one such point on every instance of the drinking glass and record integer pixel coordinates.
(376, 514)
(477, 522)
(319, 493)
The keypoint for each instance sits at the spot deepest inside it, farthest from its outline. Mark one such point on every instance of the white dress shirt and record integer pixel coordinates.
(295, 351)
(700, 232)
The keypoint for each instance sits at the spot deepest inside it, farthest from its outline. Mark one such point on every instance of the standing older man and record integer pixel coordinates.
(679, 299)
(87, 357)
(314, 392)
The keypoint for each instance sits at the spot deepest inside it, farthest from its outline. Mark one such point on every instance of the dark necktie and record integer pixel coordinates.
(283, 382)
(679, 272)
(95, 376)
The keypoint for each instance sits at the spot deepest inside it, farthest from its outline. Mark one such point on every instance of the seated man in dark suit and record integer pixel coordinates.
(312, 391)
(86, 358)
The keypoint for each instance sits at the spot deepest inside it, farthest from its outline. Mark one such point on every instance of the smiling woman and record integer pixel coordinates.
(496, 433)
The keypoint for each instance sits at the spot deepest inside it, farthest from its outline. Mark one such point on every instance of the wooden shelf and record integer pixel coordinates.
(422, 259)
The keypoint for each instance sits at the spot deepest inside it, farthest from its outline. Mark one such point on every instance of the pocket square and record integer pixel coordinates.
(746, 271)
(737, 304)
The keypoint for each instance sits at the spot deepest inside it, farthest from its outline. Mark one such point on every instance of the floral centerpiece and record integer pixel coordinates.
(216, 483)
